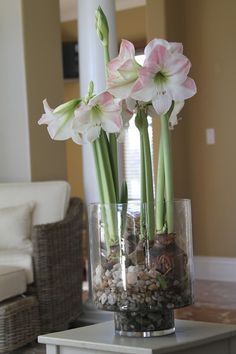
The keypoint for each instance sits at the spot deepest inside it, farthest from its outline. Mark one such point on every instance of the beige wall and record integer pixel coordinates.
(43, 65)
(73, 151)
(207, 173)
(209, 38)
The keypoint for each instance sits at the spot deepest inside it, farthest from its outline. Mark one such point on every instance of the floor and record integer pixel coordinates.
(214, 302)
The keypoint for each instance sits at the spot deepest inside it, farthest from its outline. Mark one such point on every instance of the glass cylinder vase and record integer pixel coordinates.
(141, 278)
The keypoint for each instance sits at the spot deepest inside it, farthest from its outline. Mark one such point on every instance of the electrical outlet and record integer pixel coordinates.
(210, 136)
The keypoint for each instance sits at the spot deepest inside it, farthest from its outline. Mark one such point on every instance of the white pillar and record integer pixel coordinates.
(91, 67)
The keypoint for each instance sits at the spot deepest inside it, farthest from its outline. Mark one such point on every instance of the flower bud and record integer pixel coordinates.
(102, 26)
(67, 107)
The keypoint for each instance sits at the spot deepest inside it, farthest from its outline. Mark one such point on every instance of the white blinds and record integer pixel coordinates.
(131, 153)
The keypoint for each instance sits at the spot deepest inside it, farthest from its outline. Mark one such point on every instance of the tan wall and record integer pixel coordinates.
(43, 65)
(209, 38)
(205, 173)
(73, 151)
(130, 25)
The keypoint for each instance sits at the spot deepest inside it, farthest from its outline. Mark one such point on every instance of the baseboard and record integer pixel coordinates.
(215, 268)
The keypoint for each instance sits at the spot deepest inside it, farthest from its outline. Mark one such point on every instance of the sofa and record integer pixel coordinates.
(41, 269)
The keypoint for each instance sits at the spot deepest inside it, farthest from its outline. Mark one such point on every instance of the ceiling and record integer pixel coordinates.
(68, 8)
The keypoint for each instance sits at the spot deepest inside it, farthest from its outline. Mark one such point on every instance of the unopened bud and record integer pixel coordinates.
(102, 26)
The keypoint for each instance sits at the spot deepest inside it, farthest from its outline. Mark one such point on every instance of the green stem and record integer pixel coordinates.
(160, 190)
(149, 184)
(112, 150)
(101, 194)
(169, 188)
(112, 136)
(106, 55)
(109, 196)
(99, 179)
(114, 162)
(143, 189)
(146, 172)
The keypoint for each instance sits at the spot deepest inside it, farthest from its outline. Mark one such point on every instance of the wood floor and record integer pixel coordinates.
(214, 302)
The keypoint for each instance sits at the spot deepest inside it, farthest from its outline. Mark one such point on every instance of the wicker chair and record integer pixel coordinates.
(54, 300)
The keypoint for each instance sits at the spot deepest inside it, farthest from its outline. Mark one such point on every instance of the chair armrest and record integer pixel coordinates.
(57, 255)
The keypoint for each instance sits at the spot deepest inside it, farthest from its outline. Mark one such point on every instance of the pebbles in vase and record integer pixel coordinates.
(136, 287)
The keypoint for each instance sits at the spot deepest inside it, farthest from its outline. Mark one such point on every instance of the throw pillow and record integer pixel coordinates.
(16, 227)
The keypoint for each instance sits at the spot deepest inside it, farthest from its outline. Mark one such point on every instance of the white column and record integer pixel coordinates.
(91, 67)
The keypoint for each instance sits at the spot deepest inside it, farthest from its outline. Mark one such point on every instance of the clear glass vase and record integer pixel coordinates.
(142, 280)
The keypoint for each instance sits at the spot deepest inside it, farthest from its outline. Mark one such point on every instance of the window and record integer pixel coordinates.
(131, 153)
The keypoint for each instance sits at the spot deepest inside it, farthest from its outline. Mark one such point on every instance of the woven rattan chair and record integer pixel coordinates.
(54, 300)
(57, 254)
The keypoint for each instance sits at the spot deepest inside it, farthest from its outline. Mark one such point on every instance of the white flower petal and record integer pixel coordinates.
(162, 103)
(184, 91)
(121, 91)
(44, 119)
(143, 92)
(173, 120)
(77, 137)
(111, 122)
(60, 129)
(93, 133)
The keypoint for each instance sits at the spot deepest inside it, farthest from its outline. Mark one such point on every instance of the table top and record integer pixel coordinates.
(101, 336)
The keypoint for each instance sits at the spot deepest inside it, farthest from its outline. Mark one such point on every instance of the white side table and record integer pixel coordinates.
(191, 337)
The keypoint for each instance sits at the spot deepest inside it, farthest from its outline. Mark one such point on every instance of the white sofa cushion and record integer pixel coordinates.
(15, 258)
(16, 227)
(12, 282)
(51, 198)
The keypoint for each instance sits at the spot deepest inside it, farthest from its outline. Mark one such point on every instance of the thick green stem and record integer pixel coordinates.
(97, 167)
(149, 184)
(169, 189)
(109, 196)
(114, 162)
(143, 189)
(160, 190)
(106, 55)
(112, 136)
(101, 195)
(146, 172)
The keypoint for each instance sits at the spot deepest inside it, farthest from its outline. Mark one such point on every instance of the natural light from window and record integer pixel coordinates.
(131, 152)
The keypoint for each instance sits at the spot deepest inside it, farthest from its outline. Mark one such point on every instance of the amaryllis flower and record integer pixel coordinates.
(123, 71)
(102, 111)
(59, 120)
(163, 78)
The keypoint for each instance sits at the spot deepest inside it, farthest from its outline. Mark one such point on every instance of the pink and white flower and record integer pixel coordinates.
(163, 78)
(101, 112)
(59, 120)
(123, 71)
